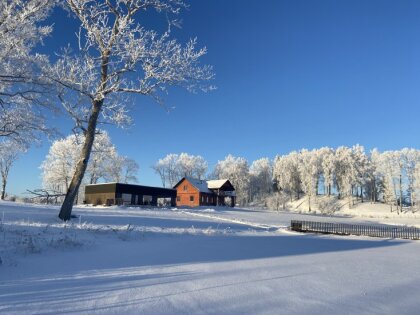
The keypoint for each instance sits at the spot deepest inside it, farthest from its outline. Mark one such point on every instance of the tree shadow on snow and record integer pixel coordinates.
(127, 270)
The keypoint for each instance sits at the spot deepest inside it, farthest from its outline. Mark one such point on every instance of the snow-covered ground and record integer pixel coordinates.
(360, 211)
(197, 261)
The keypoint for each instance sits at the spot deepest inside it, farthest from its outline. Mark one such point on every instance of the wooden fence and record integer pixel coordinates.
(386, 231)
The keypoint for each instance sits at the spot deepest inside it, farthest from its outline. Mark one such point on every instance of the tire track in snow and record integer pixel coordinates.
(238, 221)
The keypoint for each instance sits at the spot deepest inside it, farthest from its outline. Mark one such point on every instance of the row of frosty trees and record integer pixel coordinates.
(115, 55)
(347, 173)
(392, 177)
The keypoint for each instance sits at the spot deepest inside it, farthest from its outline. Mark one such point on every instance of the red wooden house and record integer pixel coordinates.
(195, 192)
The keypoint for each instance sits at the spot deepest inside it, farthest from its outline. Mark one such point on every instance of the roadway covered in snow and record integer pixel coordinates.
(202, 261)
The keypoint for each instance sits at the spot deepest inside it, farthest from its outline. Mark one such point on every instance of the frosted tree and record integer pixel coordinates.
(200, 167)
(277, 200)
(398, 165)
(309, 168)
(119, 57)
(122, 170)
(411, 159)
(389, 176)
(261, 177)
(59, 164)
(281, 175)
(9, 153)
(105, 163)
(20, 123)
(173, 167)
(375, 185)
(167, 168)
(160, 169)
(129, 171)
(361, 168)
(328, 168)
(185, 165)
(416, 194)
(236, 170)
(346, 172)
(104, 154)
(21, 86)
(191, 166)
(286, 174)
(389, 191)
(388, 167)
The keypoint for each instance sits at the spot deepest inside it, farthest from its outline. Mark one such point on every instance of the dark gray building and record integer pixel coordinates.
(118, 194)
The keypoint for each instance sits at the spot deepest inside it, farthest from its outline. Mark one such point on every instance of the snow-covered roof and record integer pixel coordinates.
(205, 186)
(216, 184)
(201, 185)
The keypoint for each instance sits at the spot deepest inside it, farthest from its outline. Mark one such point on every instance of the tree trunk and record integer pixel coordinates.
(67, 206)
(412, 200)
(373, 193)
(309, 203)
(3, 190)
(401, 192)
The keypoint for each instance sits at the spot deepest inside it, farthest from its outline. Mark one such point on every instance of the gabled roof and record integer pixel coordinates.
(222, 184)
(201, 185)
(216, 184)
(208, 186)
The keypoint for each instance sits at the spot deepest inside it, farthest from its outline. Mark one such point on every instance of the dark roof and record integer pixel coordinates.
(130, 189)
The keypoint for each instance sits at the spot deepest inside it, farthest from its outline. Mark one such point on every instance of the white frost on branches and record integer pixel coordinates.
(286, 174)
(9, 153)
(118, 57)
(235, 169)
(173, 167)
(105, 163)
(391, 176)
(261, 178)
(21, 86)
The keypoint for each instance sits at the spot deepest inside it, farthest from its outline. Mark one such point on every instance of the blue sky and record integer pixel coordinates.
(290, 74)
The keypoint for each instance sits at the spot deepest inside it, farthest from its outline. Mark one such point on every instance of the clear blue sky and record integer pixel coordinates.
(290, 74)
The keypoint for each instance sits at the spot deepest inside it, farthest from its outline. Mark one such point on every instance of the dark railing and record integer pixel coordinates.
(386, 231)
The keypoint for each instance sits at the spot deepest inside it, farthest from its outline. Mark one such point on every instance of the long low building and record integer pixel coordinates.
(118, 194)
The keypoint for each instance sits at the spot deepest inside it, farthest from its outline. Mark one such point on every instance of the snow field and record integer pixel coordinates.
(198, 261)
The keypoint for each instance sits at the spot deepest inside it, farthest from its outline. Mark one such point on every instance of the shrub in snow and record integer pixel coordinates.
(328, 205)
(277, 201)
